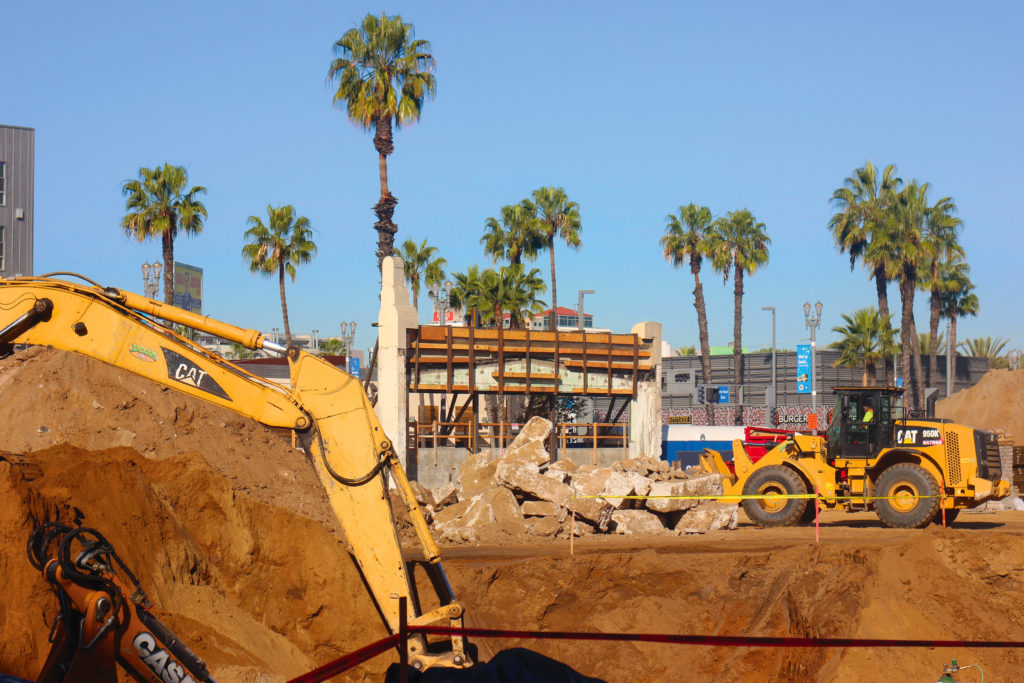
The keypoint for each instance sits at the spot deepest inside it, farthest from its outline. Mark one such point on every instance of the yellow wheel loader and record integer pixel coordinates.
(871, 457)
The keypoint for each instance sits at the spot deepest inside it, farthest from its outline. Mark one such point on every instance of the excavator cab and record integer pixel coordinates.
(862, 421)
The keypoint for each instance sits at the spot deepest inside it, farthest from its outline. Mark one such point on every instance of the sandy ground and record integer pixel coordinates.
(228, 530)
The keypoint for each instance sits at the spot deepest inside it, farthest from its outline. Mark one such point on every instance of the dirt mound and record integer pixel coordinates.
(995, 402)
(861, 581)
(222, 521)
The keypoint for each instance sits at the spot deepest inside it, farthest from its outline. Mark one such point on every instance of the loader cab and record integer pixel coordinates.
(862, 421)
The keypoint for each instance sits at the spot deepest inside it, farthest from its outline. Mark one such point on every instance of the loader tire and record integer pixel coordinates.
(912, 497)
(778, 480)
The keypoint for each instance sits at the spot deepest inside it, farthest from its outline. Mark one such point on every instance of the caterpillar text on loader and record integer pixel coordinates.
(326, 408)
(871, 457)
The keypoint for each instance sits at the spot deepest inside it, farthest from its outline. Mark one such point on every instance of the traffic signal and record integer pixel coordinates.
(700, 393)
(711, 394)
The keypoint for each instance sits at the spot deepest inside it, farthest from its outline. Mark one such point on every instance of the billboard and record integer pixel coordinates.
(188, 287)
(803, 368)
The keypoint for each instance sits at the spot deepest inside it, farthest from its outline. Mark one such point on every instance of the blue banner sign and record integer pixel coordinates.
(803, 368)
(723, 393)
(353, 367)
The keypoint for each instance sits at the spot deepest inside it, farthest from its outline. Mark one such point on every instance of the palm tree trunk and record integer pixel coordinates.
(933, 334)
(554, 289)
(908, 336)
(284, 306)
(882, 290)
(383, 142)
(870, 373)
(167, 242)
(951, 348)
(702, 328)
(737, 333)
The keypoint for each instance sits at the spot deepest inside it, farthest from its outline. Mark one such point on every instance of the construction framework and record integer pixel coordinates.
(471, 361)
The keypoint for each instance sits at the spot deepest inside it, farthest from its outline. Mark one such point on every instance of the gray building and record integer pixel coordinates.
(17, 200)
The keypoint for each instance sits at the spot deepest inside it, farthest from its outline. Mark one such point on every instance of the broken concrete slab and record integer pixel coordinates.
(708, 516)
(476, 474)
(705, 485)
(529, 444)
(541, 508)
(629, 522)
(422, 495)
(542, 526)
(617, 489)
(445, 495)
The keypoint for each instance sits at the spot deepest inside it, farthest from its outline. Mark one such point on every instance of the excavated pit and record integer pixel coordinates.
(227, 528)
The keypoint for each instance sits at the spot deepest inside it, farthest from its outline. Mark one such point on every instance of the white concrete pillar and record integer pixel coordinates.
(396, 316)
(645, 408)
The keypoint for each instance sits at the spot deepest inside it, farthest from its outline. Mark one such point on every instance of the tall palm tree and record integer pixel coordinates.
(941, 245)
(686, 238)
(278, 247)
(158, 204)
(861, 226)
(383, 75)
(867, 338)
(421, 266)
(738, 244)
(559, 218)
(958, 299)
(515, 237)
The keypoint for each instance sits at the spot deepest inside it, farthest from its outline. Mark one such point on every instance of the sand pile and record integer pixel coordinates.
(520, 494)
(223, 522)
(996, 402)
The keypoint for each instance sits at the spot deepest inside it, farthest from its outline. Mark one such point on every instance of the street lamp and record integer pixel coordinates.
(348, 333)
(579, 309)
(441, 295)
(151, 279)
(813, 322)
(775, 394)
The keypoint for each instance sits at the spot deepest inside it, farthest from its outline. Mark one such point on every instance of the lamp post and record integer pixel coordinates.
(775, 394)
(441, 295)
(151, 279)
(813, 322)
(348, 333)
(579, 309)
(274, 331)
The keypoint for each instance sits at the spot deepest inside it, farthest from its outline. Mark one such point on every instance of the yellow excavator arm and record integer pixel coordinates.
(326, 407)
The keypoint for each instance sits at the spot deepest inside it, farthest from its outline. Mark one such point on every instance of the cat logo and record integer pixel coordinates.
(183, 370)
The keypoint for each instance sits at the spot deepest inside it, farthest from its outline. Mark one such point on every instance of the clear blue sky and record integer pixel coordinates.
(634, 108)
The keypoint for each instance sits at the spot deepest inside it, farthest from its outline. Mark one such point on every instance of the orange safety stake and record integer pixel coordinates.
(817, 515)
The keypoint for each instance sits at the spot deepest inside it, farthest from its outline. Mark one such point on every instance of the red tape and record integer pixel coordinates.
(342, 664)
(720, 641)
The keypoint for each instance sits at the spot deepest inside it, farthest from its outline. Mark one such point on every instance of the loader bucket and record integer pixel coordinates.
(711, 461)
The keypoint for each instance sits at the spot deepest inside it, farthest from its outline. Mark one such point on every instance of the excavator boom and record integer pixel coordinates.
(327, 408)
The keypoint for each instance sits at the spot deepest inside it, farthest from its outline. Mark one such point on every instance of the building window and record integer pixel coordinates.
(3, 242)
(3, 183)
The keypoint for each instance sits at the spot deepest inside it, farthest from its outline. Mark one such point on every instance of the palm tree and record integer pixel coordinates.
(941, 245)
(985, 347)
(686, 237)
(861, 227)
(515, 237)
(510, 289)
(925, 346)
(421, 265)
(383, 76)
(287, 242)
(465, 294)
(958, 299)
(738, 243)
(158, 204)
(867, 337)
(558, 217)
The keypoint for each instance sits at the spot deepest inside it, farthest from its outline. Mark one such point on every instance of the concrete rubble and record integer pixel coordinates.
(501, 498)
